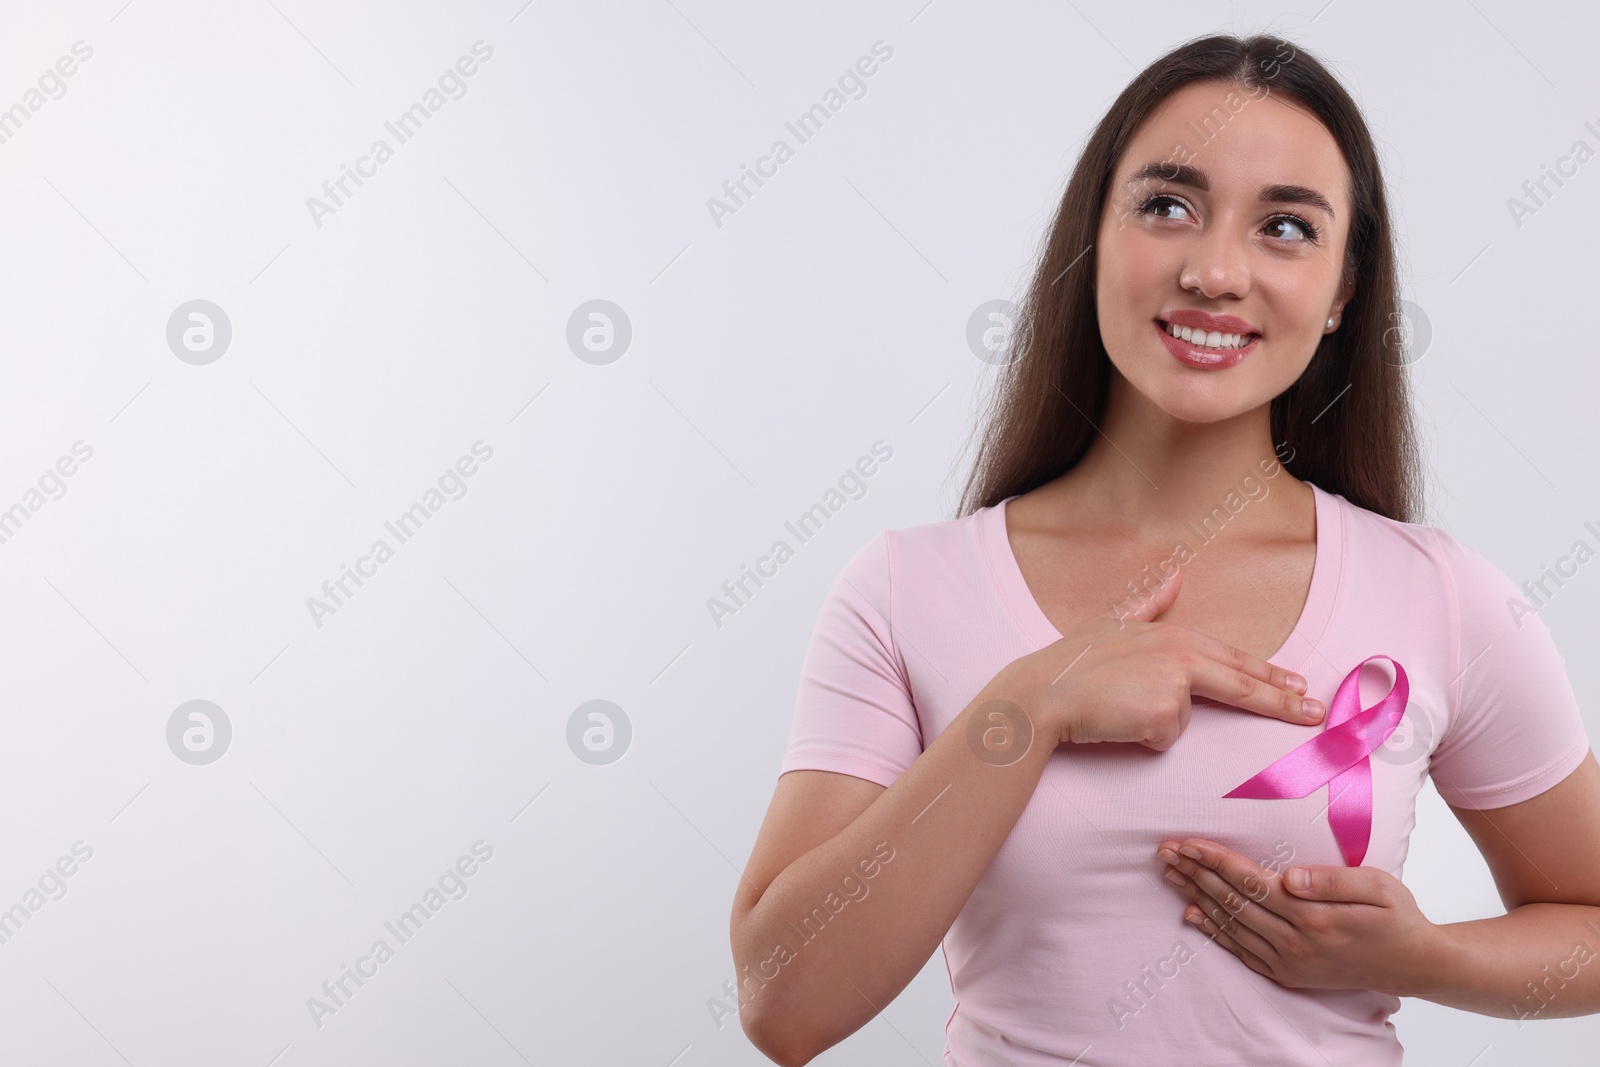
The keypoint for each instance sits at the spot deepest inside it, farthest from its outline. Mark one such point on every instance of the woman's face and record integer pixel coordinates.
(1185, 229)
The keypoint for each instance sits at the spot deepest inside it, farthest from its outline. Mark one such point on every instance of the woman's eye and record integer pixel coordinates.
(1306, 232)
(1149, 206)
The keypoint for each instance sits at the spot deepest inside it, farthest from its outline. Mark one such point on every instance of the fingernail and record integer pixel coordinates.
(1168, 856)
(1299, 878)
(1312, 709)
(1297, 683)
(1190, 851)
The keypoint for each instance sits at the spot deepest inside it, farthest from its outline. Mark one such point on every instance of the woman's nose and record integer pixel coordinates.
(1217, 264)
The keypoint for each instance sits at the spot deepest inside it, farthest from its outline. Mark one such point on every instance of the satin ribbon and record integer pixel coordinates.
(1337, 757)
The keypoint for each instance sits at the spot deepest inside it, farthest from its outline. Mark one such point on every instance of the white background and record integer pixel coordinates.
(430, 311)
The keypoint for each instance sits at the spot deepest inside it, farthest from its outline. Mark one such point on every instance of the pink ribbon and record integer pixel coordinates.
(1337, 757)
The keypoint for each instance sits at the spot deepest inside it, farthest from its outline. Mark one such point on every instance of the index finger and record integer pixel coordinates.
(1254, 882)
(1223, 672)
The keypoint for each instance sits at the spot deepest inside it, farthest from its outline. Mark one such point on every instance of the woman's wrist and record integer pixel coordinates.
(1013, 686)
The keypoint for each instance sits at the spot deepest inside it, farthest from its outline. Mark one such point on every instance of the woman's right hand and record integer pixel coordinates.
(1124, 676)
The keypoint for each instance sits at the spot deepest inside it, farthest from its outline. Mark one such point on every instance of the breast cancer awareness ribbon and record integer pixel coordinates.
(1337, 757)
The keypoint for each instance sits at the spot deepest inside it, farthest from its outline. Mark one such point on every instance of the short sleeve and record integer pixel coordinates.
(1515, 727)
(853, 709)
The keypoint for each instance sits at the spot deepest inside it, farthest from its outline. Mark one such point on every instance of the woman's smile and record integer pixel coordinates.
(1206, 341)
(1206, 351)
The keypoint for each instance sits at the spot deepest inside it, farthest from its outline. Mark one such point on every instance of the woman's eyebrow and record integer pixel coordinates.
(1194, 177)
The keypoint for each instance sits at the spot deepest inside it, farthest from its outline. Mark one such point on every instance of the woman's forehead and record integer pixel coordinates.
(1244, 143)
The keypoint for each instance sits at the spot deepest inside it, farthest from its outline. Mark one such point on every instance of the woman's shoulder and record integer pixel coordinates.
(926, 555)
(1476, 584)
(1375, 532)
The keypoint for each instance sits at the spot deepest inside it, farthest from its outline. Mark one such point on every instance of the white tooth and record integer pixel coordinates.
(1214, 339)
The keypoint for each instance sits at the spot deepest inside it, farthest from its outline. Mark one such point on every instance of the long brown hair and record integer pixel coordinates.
(1345, 424)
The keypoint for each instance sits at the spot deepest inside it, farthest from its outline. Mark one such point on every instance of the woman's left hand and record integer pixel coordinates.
(1350, 928)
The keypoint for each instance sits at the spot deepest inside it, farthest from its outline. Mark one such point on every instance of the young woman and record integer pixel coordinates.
(1187, 551)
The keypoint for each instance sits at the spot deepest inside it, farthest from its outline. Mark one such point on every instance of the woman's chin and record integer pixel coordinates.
(1196, 397)
(1200, 407)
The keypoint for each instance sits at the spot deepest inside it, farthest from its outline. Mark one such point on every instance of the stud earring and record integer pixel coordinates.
(1330, 322)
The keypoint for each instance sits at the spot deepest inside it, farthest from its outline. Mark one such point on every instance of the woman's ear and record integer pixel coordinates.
(1345, 292)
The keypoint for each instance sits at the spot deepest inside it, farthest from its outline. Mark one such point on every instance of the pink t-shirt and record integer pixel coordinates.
(1072, 948)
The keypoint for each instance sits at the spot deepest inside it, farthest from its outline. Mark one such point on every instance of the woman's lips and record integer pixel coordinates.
(1204, 358)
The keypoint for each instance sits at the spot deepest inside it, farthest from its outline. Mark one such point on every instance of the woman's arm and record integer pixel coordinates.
(1542, 959)
(809, 977)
